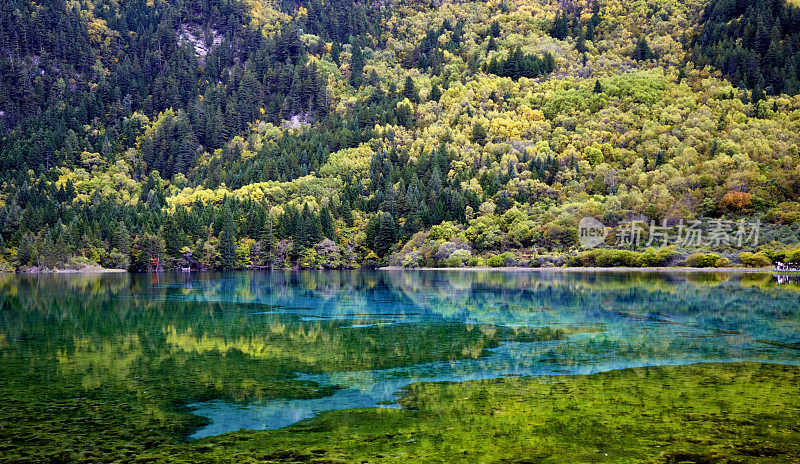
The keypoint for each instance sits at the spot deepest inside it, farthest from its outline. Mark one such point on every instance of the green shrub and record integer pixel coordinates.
(508, 258)
(792, 256)
(496, 261)
(654, 258)
(754, 259)
(586, 258)
(722, 262)
(700, 259)
(615, 258)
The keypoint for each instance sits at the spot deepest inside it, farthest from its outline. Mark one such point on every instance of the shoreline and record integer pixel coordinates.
(671, 269)
(84, 270)
(730, 270)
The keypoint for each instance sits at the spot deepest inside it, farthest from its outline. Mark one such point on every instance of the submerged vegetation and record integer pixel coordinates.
(720, 413)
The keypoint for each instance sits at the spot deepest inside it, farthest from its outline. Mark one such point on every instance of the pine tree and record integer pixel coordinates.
(326, 222)
(381, 233)
(25, 251)
(314, 228)
(336, 50)
(642, 51)
(491, 45)
(356, 66)
(494, 29)
(598, 88)
(435, 94)
(227, 249)
(503, 202)
(478, 133)
(295, 93)
(410, 91)
(227, 239)
(301, 233)
(173, 238)
(560, 28)
(122, 239)
(268, 238)
(681, 75)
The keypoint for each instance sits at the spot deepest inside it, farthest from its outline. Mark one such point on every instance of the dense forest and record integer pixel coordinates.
(231, 134)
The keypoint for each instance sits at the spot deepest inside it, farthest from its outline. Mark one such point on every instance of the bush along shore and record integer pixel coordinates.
(445, 246)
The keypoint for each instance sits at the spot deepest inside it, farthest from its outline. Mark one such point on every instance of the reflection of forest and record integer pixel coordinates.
(119, 327)
(116, 304)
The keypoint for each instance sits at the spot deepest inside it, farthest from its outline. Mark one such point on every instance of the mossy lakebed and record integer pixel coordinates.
(744, 412)
(703, 413)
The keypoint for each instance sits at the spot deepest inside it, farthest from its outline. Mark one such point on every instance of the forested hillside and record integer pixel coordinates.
(227, 134)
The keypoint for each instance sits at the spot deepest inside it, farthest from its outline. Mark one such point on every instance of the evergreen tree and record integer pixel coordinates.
(122, 239)
(25, 251)
(560, 28)
(478, 133)
(300, 232)
(173, 238)
(268, 238)
(227, 249)
(681, 75)
(381, 233)
(491, 45)
(326, 223)
(313, 227)
(642, 51)
(356, 65)
(503, 202)
(410, 91)
(494, 29)
(227, 239)
(435, 94)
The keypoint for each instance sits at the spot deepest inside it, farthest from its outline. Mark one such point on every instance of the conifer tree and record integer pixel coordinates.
(478, 133)
(410, 91)
(326, 223)
(227, 240)
(494, 29)
(435, 94)
(25, 251)
(356, 65)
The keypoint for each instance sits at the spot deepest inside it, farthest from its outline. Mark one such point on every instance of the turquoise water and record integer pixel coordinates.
(265, 350)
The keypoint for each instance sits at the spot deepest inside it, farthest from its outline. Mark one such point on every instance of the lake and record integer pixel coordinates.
(188, 356)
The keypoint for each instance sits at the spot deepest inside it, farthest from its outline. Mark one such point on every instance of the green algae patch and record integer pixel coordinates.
(702, 413)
